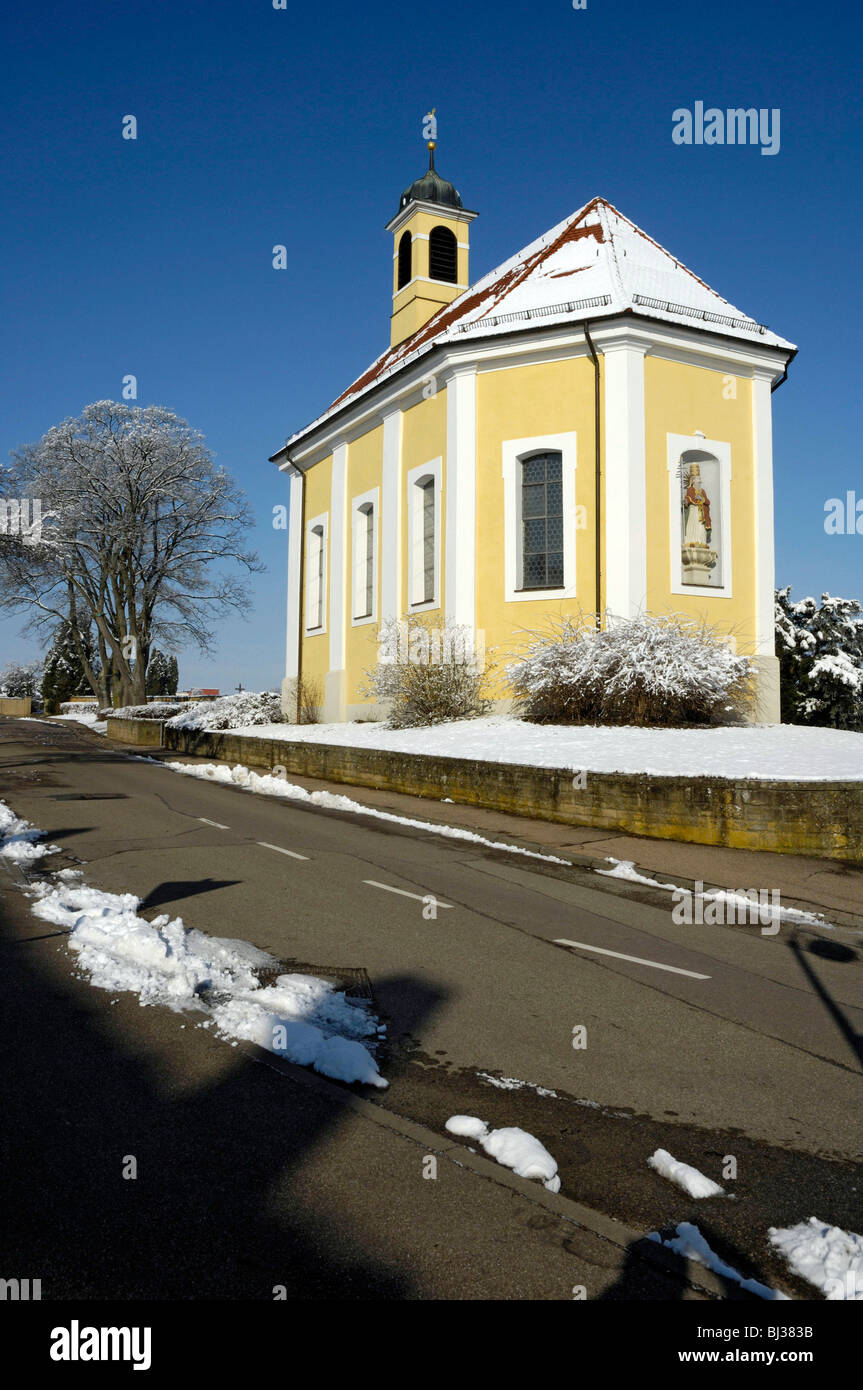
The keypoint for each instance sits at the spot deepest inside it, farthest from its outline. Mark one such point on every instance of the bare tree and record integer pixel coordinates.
(137, 523)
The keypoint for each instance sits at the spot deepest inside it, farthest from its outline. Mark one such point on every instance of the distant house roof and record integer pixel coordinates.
(594, 264)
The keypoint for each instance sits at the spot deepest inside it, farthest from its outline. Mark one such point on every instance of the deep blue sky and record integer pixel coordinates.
(258, 126)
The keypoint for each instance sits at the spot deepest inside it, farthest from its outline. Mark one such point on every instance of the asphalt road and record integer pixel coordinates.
(710, 1041)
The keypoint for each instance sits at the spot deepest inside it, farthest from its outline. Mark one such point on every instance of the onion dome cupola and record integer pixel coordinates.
(431, 188)
(430, 251)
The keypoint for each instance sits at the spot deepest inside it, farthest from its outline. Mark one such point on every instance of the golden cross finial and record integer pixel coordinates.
(431, 123)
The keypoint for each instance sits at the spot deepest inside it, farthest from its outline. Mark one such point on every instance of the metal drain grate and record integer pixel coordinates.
(352, 979)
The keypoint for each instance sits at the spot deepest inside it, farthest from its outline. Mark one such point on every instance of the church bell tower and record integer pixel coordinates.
(430, 251)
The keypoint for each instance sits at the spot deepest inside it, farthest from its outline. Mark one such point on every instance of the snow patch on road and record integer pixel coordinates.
(264, 783)
(690, 1243)
(512, 1148)
(511, 1083)
(19, 840)
(625, 869)
(467, 1127)
(300, 1017)
(827, 1256)
(98, 726)
(162, 961)
(693, 1182)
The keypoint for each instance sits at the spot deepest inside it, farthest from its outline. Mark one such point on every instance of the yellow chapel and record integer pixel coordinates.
(588, 428)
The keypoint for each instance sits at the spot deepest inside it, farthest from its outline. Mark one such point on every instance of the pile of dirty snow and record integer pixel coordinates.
(19, 839)
(511, 1147)
(693, 1182)
(827, 1256)
(299, 1017)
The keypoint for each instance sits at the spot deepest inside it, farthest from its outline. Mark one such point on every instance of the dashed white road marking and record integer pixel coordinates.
(419, 897)
(278, 848)
(637, 960)
(214, 823)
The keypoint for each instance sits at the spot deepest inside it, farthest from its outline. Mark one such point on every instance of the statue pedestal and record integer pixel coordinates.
(698, 561)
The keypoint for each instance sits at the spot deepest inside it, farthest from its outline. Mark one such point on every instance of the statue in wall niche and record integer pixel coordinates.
(697, 557)
(696, 507)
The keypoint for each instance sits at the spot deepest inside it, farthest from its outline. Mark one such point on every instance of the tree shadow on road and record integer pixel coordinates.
(227, 1199)
(174, 890)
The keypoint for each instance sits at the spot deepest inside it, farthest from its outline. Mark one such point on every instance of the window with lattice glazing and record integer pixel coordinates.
(542, 522)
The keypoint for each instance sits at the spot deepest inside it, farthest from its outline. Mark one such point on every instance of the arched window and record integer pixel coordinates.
(364, 560)
(404, 259)
(542, 521)
(315, 577)
(423, 539)
(427, 490)
(443, 255)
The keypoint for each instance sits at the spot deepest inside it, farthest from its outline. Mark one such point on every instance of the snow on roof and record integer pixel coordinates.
(594, 263)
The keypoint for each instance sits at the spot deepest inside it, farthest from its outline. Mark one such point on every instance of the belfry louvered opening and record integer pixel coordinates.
(443, 255)
(404, 260)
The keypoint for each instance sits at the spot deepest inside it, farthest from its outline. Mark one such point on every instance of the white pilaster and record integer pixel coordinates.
(762, 450)
(391, 518)
(624, 494)
(460, 564)
(334, 686)
(768, 708)
(295, 598)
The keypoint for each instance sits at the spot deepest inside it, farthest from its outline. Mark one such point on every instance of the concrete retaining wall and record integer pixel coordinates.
(817, 818)
(16, 709)
(147, 733)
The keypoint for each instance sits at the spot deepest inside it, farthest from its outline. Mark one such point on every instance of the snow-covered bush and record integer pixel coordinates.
(88, 708)
(648, 670)
(21, 679)
(231, 712)
(157, 710)
(820, 652)
(428, 672)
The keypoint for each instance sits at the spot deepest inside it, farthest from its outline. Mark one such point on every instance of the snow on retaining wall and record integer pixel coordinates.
(818, 818)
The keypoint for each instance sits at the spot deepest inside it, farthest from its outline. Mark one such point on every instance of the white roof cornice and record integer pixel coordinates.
(434, 209)
(444, 360)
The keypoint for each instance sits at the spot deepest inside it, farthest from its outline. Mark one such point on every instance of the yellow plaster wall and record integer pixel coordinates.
(365, 471)
(534, 400)
(316, 649)
(680, 399)
(519, 403)
(418, 300)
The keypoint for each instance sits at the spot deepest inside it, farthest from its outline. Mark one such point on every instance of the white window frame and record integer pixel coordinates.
(513, 452)
(720, 450)
(416, 566)
(321, 522)
(359, 506)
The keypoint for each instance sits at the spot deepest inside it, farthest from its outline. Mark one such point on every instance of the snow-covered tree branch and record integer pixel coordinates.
(820, 650)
